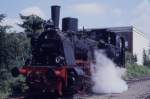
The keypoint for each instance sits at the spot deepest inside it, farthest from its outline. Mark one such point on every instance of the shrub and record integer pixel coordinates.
(135, 70)
(12, 86)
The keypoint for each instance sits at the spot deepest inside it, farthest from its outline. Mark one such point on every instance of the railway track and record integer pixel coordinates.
(78, 96)
(137, 79)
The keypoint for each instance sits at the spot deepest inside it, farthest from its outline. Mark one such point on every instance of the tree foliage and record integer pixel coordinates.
(14, 49)
(33, 25)
(17, 49)
(146, 58)
(130, 58)
(3, 30)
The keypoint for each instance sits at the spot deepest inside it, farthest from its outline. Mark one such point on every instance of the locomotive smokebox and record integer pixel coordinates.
(55, 13)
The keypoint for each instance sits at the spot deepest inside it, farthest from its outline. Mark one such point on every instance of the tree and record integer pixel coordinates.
(17, 49)
(146, 58)
(33, 25)
(14, 49)
(130, 58)
(3, 52)
(3, 30)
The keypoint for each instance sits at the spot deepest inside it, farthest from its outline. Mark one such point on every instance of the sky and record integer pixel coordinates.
(90, 13)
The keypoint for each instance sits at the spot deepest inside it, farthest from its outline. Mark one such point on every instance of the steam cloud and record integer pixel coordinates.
(107, 77)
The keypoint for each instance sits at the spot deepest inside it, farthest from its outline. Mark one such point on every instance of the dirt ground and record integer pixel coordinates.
(137, 90)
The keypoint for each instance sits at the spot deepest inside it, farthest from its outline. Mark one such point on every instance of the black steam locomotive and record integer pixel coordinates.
(61, 59)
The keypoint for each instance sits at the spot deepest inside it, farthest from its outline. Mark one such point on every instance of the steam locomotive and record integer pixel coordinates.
(61, 59)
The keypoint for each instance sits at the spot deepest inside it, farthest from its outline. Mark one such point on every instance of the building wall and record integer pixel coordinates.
(125, 32)
(136, 40)
(140, 43)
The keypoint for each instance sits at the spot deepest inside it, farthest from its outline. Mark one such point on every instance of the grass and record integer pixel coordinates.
(137, 71)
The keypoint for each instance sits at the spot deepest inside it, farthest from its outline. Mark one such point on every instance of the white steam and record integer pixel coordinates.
(107, 77)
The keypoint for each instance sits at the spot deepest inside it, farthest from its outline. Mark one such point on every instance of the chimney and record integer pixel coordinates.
(55, 13)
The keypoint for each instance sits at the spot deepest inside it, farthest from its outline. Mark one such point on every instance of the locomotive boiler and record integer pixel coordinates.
(61, 58)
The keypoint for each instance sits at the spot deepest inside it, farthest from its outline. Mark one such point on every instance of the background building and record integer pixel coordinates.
(136, 41)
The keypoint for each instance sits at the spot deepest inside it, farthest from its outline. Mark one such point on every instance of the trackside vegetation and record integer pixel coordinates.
(135, 70)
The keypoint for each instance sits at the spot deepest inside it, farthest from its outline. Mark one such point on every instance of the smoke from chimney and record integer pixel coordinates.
(106, 76)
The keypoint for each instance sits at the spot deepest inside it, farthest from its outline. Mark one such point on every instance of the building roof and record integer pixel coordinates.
(122, 29)
(115, 29)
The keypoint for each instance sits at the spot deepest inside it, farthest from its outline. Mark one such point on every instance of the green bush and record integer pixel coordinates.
(18, 85)
(3, 95)
(12, 86)
(135, 70)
